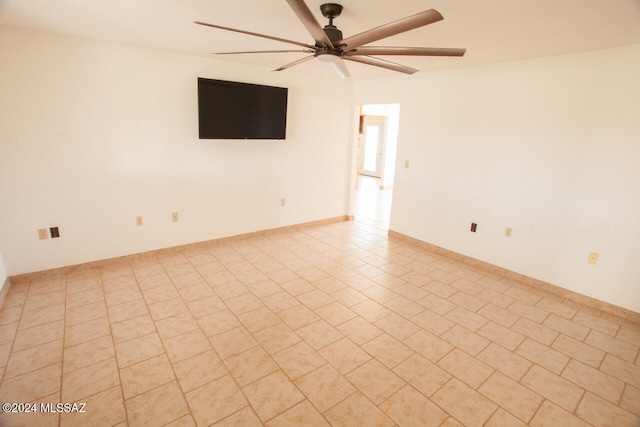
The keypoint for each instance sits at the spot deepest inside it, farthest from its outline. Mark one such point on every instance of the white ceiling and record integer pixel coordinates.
(491, 30)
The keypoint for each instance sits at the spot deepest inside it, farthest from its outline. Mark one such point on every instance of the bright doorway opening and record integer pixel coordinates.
(378, 142)
(377, 148)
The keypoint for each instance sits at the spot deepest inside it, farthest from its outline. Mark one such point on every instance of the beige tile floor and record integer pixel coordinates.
(329, 325)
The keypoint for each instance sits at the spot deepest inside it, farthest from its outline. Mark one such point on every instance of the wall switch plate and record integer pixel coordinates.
(42, 233)
(175, 217)
(474, 226)
(55, 232)
(593, 258)
(508, 231)
(139, 220)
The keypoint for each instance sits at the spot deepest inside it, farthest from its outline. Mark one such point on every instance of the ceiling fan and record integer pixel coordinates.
(330, 46)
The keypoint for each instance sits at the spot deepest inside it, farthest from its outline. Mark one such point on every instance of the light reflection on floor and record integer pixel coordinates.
(373, 205)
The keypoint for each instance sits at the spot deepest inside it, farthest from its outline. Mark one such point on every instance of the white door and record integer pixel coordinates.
(372, 147)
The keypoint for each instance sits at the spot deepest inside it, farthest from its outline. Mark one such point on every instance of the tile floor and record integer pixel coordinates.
(330, 325)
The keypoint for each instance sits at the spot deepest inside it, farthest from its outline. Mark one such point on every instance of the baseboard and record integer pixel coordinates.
(4, 290)
(570, 297)
(79, 268)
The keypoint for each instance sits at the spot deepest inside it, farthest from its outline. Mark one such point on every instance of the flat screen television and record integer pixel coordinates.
(234, 110)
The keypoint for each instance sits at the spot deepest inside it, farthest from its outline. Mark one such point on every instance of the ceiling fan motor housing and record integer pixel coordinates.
(333, 33)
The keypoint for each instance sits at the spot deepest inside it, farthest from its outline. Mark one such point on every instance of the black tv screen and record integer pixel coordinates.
(233, 110)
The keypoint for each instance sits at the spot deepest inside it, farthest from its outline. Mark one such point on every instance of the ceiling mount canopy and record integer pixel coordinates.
(330, 45)
(331, 10)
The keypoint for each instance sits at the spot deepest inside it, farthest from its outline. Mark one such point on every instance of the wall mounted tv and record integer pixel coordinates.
(233, 110)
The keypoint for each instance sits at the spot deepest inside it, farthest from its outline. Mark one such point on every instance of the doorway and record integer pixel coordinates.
(377, 144)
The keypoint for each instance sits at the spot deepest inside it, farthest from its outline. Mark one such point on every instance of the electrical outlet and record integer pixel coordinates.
(174, 217)
(55, 232)
(593, 258)
(283, 201)
(407, 164)
(42, 233)
(474, 226)
(508, 231)
(139, 220)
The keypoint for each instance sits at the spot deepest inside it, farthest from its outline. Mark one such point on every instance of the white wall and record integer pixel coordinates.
(94, 134)
(550, 147)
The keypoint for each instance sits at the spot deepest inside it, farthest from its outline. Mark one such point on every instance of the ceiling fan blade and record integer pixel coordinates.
(266, 51)
(400, 26)
(309, 21)
(417, 51)
(369, 60)
(220, 27)
(299, 61)
(341, 69)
